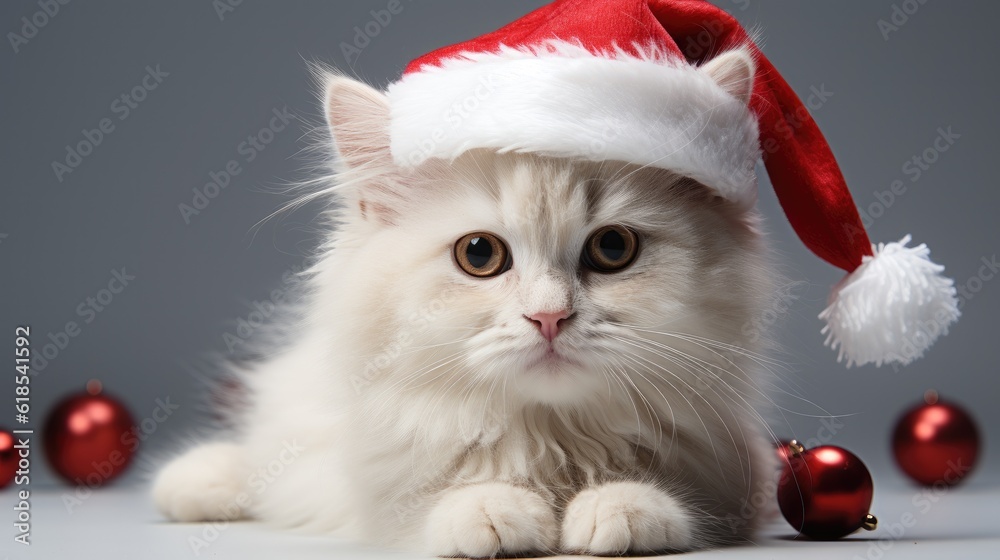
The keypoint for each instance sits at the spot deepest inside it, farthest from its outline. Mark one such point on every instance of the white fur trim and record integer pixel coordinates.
(562, 100)
(891, 308)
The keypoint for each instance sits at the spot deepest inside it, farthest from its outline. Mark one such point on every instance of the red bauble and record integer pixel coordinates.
(825, 493)
(785, 449)
(8, 458)
(87, 438)
(936, 443)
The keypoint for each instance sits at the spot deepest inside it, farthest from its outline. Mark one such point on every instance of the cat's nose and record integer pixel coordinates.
(548, 323)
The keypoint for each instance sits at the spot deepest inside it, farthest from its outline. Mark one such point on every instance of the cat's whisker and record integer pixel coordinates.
(658, 431)
(748, 408)
(650, 411)
(631, 358)
(725, 401)
(649, 365)
(826, 414)
(404, 383)
(714, 346)
(709, 367)
(718, 344)
(626, 392)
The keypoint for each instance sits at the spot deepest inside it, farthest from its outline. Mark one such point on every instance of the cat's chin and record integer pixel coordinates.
(554, 377)
(553, 362)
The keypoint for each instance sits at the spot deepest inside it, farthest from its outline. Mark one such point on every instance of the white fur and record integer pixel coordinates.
(484, 520)
(623, 517)
(415, 391)
(188, 491)
(891, 308)
(562, 100)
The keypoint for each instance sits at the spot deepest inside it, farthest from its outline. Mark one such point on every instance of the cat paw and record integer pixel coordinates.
(625, 517)
(487, 520)
(206, 483)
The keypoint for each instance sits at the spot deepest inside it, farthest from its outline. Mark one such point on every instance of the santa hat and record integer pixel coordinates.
(679, 85)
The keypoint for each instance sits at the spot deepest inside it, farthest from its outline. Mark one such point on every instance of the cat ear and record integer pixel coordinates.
(358, 117)
(733, 71)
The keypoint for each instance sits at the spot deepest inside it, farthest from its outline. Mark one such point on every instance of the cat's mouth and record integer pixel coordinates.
(551, 358)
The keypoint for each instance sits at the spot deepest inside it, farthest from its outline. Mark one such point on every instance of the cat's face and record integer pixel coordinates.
(567, 260)
(539, 279)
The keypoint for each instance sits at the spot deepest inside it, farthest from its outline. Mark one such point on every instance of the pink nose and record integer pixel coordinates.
(548, 323)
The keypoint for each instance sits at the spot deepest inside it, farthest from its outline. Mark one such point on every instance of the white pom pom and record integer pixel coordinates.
(891, 308)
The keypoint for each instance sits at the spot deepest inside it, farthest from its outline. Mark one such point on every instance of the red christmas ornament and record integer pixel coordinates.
(8, 458)
(785, 449)
(85, 437)
(825, 492)
(936, 443)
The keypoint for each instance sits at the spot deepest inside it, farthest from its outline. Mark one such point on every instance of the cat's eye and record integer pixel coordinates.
(482, 254)
(610, 249)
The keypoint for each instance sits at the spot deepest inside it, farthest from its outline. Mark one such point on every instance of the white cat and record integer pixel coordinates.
(507, 353)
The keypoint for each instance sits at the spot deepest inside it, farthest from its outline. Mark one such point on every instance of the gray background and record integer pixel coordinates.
(119, 208)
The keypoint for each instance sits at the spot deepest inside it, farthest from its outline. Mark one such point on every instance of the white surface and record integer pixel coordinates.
(121, 523)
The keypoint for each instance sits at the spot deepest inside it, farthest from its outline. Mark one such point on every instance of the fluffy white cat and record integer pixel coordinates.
(507, 354)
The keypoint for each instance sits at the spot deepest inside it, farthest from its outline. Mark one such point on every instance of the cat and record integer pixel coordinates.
(508, 353)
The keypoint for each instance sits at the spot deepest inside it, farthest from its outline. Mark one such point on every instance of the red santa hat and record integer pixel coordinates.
(679, 85)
